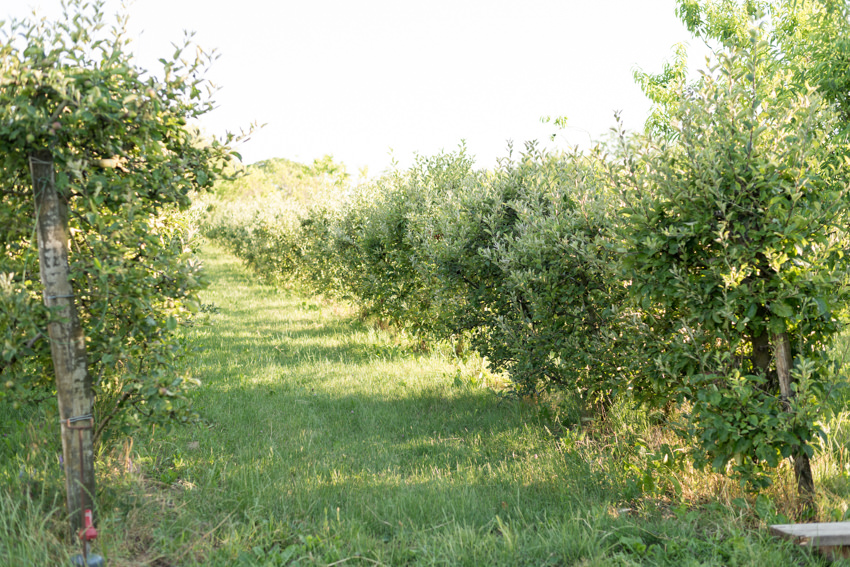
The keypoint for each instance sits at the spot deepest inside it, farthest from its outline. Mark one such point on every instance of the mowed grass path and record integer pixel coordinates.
(327, 443)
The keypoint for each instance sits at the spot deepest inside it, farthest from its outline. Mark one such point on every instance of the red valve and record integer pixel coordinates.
(89, 532)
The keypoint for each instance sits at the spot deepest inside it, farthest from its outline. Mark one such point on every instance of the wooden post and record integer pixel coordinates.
(802, 466)
(67, 342)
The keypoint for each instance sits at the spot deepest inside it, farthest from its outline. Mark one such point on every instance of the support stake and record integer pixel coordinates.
(67, 342)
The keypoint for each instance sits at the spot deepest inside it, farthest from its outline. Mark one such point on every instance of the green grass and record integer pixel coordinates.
(327, 442)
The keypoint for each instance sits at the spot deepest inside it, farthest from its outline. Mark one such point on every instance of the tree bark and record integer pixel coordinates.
(802, 466)
(761, 352)
(762, 357)
(67, 341)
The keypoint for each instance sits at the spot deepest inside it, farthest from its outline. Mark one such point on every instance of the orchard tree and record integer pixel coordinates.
(735, 234)
(106, 153)
(526, 253)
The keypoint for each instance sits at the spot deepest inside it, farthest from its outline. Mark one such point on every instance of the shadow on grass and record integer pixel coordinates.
(285, 431)
(289, 342)
(421, 460)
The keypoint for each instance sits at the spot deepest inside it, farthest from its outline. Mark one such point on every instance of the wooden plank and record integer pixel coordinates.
(826, 534)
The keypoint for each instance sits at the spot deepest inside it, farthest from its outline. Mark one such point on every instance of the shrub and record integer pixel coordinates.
(530, 252)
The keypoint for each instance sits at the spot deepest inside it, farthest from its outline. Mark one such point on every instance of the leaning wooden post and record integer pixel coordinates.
(802, 466)
(67, 342)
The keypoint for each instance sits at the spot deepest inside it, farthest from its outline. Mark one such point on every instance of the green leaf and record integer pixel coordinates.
(822, 308)
(781, 309)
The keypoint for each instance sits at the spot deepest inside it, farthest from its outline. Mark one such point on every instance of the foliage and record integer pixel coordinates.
(663, 90)
(274, 213)
(126, 162)
(385, 239)
(289, 180)
(811, 40)
(735, 232)
(530, 253)
(519, 261)
(265, 234)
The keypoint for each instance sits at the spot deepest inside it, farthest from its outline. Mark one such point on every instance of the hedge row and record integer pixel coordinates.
(520, 262)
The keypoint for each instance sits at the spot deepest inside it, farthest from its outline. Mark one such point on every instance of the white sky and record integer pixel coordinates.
(357, 78)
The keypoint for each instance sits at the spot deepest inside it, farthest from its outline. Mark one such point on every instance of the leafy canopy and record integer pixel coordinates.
(126, 160)
(736, 231)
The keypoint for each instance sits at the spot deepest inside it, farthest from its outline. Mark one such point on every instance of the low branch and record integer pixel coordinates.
(105, 421)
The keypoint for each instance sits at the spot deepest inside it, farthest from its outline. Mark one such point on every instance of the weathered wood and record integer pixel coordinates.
(67, 341)
(831, 539)
(802, 466)
(817, 535)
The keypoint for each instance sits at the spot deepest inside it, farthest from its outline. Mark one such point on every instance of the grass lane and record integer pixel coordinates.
(329, 427)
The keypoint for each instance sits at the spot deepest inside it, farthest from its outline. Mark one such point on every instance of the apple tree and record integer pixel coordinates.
(106, 153)
(735, 233)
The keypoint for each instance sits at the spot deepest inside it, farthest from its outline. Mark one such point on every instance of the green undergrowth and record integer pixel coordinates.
(326, 441)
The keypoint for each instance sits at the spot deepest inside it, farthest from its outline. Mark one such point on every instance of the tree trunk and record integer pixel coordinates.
(67, 342)
(762, 357)
(761, 352)
(802, 466)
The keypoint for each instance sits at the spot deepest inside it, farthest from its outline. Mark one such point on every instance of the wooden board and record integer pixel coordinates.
(831, 539)
(818, 535)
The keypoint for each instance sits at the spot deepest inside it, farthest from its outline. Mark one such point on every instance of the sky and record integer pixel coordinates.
(376, 81)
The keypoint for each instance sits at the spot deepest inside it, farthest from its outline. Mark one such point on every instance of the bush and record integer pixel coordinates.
(531, 254)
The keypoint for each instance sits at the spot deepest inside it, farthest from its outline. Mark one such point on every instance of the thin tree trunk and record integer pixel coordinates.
(762, 357)
(802, 466)
(761, 352)
(67, 342)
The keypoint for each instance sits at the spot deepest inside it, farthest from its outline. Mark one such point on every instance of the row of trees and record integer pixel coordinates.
(699, 266)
